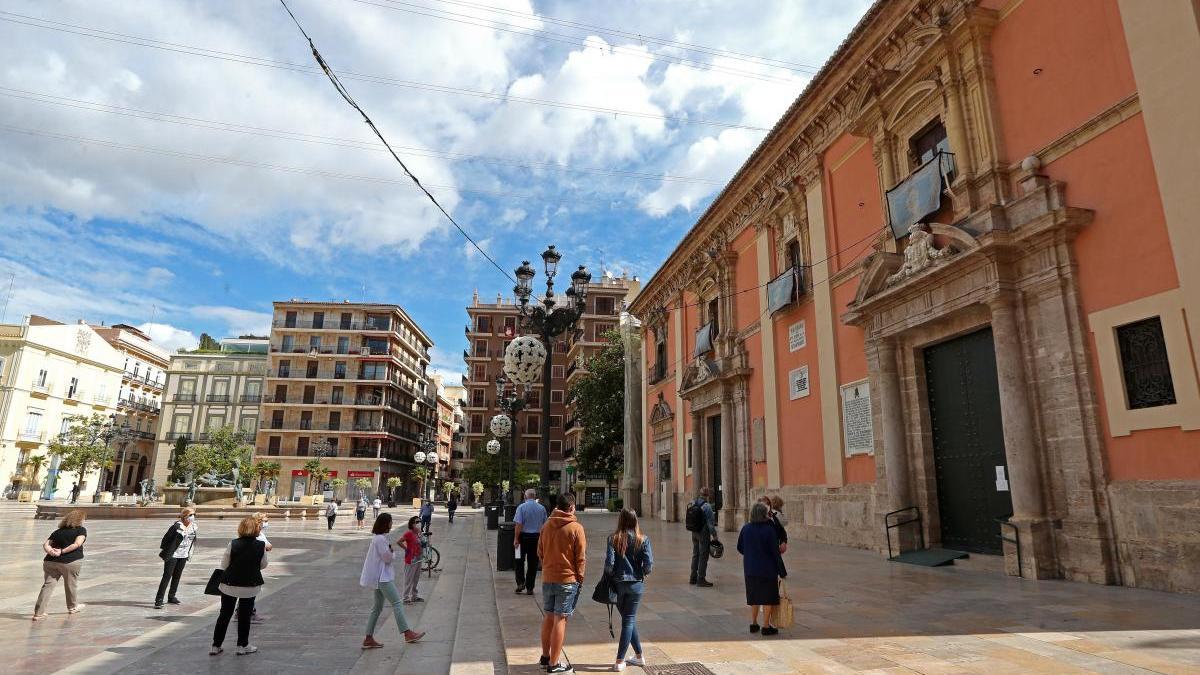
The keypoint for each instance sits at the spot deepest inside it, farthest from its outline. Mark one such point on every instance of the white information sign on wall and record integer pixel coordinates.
(857, 427)
(798, 383)
(797, 338)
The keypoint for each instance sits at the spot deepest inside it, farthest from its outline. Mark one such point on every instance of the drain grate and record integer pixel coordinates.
(690, 668)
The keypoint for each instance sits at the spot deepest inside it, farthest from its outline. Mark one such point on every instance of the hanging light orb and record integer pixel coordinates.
(432, 458)
(419, 458)
(493, 447)
(523, 360)
(501, 426)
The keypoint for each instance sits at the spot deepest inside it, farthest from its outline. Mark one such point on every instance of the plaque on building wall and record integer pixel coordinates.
(758, 431)
(857, 427)
(798, 383)
(797, 336)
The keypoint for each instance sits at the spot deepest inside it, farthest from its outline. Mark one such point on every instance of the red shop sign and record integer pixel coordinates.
(360, 474)
(333, 474)
(299, 472)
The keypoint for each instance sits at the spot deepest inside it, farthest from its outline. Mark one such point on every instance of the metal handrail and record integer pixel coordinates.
(889, 526)
(1015, 540)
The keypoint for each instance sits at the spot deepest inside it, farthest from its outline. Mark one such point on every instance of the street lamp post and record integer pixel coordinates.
(510, 405)
(428, 453)
(548, 322)
(123, 435)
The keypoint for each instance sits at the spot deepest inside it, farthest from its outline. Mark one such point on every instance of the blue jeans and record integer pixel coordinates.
(560, 599)
(629, 596)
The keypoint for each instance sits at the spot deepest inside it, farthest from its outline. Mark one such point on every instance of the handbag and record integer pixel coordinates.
(784, 614)
(214, 580)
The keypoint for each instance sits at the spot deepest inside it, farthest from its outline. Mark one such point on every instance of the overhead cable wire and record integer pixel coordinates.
(483, 22)
(267, 132)
(640, 37)
(179, 48)
(341, 90)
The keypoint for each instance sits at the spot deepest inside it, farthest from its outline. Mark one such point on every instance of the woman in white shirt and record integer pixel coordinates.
(175, 549)
(377, 574)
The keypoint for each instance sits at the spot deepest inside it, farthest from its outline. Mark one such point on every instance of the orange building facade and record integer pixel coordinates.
(1010, 354)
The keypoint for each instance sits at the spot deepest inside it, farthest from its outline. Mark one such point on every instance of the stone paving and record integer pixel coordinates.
(315, 611)
(855, 612)
(858, 613)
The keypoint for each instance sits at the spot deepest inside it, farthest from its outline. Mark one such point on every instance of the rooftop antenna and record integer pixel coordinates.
(8, 297)
(153, 312)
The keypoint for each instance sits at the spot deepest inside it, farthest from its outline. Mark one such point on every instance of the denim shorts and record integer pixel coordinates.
(560, 598)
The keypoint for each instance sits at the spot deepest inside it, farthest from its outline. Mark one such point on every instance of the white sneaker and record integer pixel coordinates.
(636, 661)
(248, 649)
(619, 666)
(213, 651)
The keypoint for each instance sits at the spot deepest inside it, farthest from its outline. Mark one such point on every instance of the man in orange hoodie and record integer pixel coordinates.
(562, 548)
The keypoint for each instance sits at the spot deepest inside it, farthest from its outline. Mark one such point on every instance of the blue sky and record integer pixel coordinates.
(149, 184)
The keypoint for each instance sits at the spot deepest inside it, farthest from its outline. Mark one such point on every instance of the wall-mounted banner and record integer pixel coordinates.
(797, 337)
(857, 426)
(781, 291)
(704, 339)
(918, 195)
(798, 383)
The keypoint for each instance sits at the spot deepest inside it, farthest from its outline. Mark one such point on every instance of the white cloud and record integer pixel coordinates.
(512, 216)
(237, 321)
(169, 337)
(448, 364)
(720, 155)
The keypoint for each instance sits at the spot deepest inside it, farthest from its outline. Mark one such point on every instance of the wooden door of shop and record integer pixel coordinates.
(968, 442)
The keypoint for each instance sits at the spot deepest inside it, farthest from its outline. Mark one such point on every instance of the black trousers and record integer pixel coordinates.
(330, 519)
(172, 571)
(245, 607)
(451, 512)
(527, 566)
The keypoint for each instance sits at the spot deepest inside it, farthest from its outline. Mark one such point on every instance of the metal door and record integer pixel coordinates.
(968, 442)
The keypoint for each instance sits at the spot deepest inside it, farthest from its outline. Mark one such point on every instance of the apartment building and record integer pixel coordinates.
(456, 395)
(139, 401)
(605, 301)
(207, 390)
(50, 373)
(349, 380)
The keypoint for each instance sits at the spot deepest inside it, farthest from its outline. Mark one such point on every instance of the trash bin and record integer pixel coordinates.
(492, 513)
(504, 547)
(510, 510)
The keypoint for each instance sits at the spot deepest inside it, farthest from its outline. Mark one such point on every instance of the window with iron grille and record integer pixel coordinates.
(1144, 364)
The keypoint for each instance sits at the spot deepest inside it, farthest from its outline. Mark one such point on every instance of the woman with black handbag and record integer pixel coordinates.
(627, 561)
(243, 563)
(175, 549)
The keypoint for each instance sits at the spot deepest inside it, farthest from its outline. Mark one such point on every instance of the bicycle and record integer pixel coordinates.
(433, 558)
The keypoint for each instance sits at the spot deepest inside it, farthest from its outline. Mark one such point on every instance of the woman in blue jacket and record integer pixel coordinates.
(762, 566)
(627, 561)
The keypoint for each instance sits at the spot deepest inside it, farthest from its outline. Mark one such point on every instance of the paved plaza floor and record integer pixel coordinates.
(855, 613)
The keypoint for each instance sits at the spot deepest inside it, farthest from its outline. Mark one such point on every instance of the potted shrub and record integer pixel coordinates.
(393, 483)
(580, 488)
(339, 488)
(477, 490)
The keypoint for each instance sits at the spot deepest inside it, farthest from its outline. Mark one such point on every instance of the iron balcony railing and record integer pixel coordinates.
(334, 325)
(217, 398)
(184, 398)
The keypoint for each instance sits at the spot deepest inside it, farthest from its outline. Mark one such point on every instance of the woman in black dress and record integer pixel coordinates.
(762, 566)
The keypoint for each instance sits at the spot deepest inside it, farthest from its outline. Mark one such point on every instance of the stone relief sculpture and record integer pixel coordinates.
(920, 254)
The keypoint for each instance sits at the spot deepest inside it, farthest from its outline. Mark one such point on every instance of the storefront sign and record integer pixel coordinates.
(857, 426)
(299, 472)
(360, 474)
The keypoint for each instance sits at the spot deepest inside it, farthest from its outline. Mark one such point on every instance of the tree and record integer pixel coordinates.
(29, 472)
(208, 344)
(317, 473)
(599, 397)
(393, 483)
(338, 486)
(230, 452)
(196, 460)
(449, 488)
(84, 446)
(363, 484)
(263, 471)
(322, 448)
(173, 463)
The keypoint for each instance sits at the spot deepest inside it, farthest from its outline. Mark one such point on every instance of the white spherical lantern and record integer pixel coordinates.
(432, 458)
(493, 447)
(501, 426)
(523, 360)
(419, 458)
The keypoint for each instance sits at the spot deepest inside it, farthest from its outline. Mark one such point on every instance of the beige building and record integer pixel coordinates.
(139, 401)
(208, 390)
(457, 395)
(354, 376)
(50, 373)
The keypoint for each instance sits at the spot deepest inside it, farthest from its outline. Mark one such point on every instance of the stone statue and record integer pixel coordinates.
(144, 489)
(153, 491)
(191, 494)
(919, 255)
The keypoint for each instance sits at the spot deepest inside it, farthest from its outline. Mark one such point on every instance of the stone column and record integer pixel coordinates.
(891, 412)
(700, 475)
(956, 129)
(632, 487)
(1021, 445)
(728, 467)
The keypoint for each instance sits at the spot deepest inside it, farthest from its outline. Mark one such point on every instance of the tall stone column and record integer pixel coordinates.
(891, 412)
(729, 481)
(632, 487)
(700, 471)
(1021, 445)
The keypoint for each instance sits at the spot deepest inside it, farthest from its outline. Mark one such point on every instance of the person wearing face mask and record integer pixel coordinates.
(262, 536)
(175, 549)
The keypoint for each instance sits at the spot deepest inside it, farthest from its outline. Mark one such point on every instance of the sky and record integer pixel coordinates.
(180, 164)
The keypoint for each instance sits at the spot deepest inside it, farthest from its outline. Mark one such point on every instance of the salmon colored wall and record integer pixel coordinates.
(854, 209)
(1079, 46)
(749, 311)
(801, 458)
(852, 367)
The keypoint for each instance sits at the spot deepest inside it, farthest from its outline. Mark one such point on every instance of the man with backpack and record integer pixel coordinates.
(701, 521)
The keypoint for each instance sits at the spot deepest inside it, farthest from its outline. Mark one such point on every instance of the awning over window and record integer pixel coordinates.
(781, 291)
(918, 195)
(704, 339)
